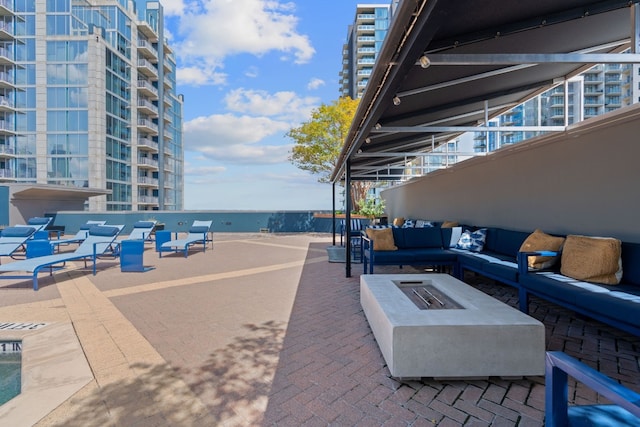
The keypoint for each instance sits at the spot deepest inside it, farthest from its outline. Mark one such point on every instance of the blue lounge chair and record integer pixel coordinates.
(142, 230)
(39, 223)
(14, 238)
(198, 233)
(80, 235)
(101, 240)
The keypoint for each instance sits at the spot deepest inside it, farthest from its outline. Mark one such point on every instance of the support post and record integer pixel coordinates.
(347, 218)
(333, 212)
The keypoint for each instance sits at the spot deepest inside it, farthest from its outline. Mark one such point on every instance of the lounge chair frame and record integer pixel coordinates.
(99, 246)
(192, 238)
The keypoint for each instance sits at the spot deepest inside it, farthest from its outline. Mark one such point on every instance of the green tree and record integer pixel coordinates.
(319, 141)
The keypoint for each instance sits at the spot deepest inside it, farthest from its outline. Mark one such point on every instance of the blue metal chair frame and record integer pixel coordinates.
(625, 410)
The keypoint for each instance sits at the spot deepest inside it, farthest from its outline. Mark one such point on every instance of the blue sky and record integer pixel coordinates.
(250, 70)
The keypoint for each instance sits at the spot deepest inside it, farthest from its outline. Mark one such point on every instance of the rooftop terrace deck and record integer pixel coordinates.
(262, 330)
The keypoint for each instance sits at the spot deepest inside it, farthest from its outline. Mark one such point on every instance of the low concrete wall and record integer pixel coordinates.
(223, 221)
(582, 181)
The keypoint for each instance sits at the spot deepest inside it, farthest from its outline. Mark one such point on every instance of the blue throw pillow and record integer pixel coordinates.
(18, 231)
(408, 223)
(421, 223)
(472, 240)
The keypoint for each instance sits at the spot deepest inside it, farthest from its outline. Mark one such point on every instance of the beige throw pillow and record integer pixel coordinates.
(540, 241)
(592, 259)
(398, 221)
(382, 239)
(449, 224)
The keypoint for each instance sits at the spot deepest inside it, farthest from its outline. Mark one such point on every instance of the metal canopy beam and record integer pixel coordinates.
(438, 129)
(532, 58)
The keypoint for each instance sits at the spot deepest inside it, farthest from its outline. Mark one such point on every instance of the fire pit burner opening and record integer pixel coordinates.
(426, 296)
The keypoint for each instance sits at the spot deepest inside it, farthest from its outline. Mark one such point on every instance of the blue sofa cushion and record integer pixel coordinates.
(561, 290)
(405, 257)
(470, 260)
(144, 224)
(507, 271)
(199, 229)
(420, 238)
(18, 231)
(508, 242)
(38, 221)
(616, 303)
(398, 236)
(631, 263)
(103, 230)
(434, 255)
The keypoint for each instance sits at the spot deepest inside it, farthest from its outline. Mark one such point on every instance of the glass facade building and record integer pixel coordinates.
(87, 100)
(364, 41)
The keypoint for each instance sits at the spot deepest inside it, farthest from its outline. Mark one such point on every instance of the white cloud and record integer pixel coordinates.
(252, 72)
(198, 76)
(235, 139)
(173, 7)
(286, 105)
(190, 170)
(315, 83)
(211, 30)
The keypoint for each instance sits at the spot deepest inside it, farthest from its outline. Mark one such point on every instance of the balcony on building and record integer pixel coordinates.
(6, 105)
(147, 89)
(362, 51)
(146, 107)
(146, 68)
(148, 200)
(149, 33)
(147, 125)
(6, 79)
(366, 40)
(147, 181)
(147, 163)
(6, 28)
(366, 17)
(6, 174)
(6, 54)
(146, 49)
(7, 127)
(147, 144)
(166, 47)
(7, 151)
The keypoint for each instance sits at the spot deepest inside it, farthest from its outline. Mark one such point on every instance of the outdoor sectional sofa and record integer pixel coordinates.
(500, 259)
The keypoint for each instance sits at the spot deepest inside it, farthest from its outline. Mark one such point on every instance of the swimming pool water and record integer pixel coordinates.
(10, 370)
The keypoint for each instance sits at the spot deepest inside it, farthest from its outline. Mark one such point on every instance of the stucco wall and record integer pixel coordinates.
(582, 181)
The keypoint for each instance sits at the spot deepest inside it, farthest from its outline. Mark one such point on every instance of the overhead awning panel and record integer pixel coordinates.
(402, 94)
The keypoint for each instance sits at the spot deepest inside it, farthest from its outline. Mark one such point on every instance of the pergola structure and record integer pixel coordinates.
(448, 67)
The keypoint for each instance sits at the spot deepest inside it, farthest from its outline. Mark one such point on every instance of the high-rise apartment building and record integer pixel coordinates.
(364, 41)
(599, 90)
(88, 100)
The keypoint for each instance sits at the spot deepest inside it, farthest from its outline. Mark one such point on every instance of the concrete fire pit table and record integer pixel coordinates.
(433, 325)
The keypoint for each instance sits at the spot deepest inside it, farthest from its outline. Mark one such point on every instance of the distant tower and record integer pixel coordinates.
(364, 41)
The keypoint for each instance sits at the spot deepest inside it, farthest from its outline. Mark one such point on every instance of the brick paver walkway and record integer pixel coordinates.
(264, 331)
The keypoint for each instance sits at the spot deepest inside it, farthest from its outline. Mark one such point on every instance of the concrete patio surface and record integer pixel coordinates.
(264, 331)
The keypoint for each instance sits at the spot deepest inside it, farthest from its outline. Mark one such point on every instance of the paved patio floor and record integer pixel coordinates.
(264, 331)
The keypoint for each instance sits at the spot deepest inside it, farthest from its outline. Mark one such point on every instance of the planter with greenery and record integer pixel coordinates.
(372, 208)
